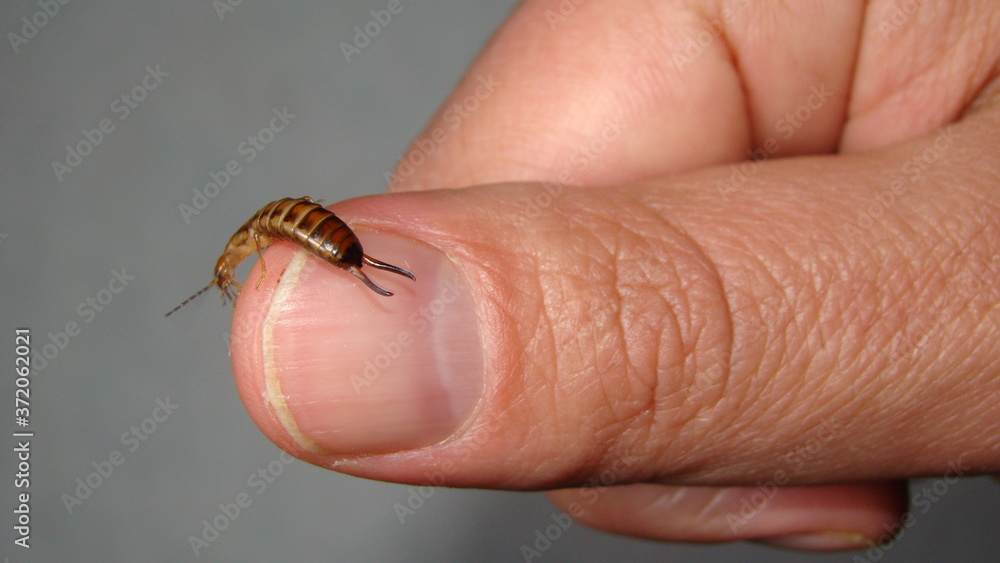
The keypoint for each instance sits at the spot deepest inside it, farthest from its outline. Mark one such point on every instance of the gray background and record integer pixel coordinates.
(60, 241)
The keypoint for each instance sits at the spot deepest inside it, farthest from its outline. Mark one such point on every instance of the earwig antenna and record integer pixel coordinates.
(190, 299)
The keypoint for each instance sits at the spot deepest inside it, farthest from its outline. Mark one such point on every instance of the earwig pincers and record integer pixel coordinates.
(300, 221)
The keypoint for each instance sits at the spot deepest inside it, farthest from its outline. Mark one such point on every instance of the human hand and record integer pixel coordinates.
(748, 349)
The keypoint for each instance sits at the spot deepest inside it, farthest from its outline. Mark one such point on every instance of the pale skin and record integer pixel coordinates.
(849, 277)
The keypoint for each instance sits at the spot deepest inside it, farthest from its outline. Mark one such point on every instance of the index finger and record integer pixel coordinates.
(602, 93)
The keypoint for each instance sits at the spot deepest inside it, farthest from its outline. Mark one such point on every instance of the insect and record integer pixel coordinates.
(301, 221)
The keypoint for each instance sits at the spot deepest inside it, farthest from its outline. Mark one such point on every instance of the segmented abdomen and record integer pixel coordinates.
(306, 223)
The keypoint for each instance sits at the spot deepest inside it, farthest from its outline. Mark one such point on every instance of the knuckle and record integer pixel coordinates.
(641, 339)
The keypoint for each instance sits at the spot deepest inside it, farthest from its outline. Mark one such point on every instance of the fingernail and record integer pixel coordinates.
(352, 372)
(821, 541)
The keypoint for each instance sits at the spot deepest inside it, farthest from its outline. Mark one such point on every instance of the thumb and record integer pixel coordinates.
(662, 333)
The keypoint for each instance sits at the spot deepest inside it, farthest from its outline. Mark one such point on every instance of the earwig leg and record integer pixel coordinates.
(388, 267)
(263, 270)
(371, 285)
(233, 291)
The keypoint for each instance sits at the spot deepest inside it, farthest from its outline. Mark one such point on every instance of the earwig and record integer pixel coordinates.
(301, 221)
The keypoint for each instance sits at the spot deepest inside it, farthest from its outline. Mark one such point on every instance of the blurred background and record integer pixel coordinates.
(136, 137)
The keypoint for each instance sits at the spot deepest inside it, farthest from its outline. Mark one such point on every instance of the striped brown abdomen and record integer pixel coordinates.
(314, 228)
